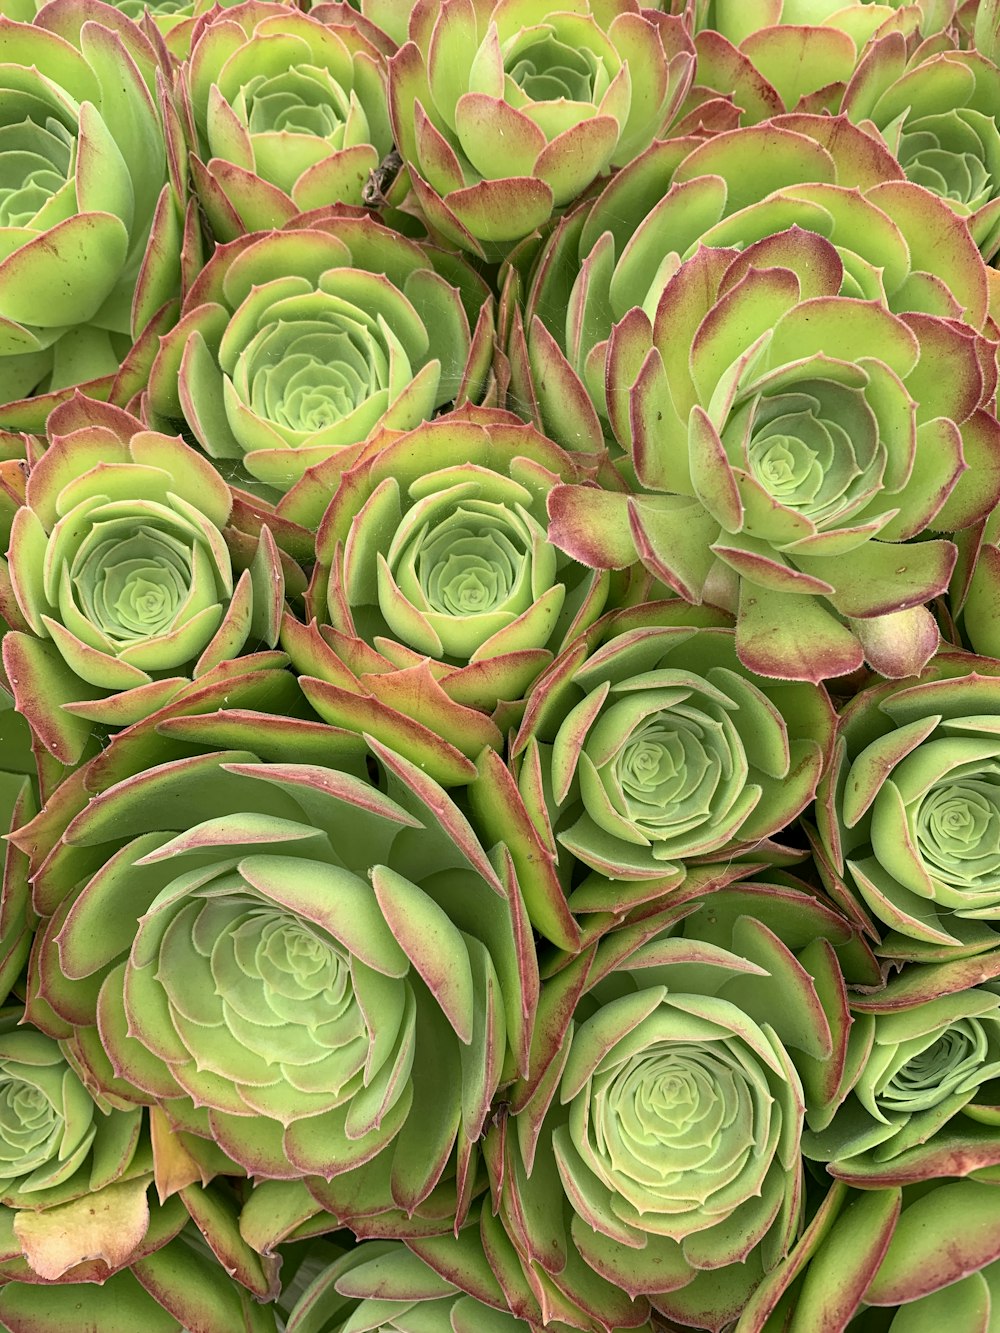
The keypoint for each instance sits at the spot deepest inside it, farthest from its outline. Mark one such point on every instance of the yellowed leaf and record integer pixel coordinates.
(108, 1225)
(173, 1166)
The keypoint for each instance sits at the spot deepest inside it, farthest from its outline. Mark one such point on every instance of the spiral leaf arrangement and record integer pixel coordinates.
(500, 691)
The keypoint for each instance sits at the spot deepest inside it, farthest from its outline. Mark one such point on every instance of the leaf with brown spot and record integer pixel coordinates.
(108, 1225)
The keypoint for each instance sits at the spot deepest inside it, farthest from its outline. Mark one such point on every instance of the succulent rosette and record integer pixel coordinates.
(504, 112)
(873, 1260)
(898, 244)
(295, 346)
(286, 114)
(821, 435)
(658, 1143)
(437, 593)
(909, 812)
(273, 979)
(90, 210)
(648, 754)
(120, 567)
(937, 111)
(55, 1143)
(74, 1171)
(922, 1095)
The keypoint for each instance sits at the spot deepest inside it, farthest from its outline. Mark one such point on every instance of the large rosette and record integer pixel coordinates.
(786, 441)
(654, 1156)
(291, 961)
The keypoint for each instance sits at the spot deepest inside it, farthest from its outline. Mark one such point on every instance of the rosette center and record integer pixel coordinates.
(548, 69)
(301, 100)
(27, 1117)
(950, 1063)
(676, 1124)
(131, 583)
(36, 161)
(958, 831)
(815, 451)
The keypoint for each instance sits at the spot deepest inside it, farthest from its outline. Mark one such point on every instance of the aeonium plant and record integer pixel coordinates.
(437, 596)
(922, 1098)
(898, 244)
(793, 451)
(504, 112)
(648, 752)
(57, 1143)
(948, 141)
(127, 577)
(285, 114)
(91, 207)
(908, 813)
(652, 1159)
(317, 971)
(295, 346)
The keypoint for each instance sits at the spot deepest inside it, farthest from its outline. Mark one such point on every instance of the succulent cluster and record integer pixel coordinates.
(500, 688)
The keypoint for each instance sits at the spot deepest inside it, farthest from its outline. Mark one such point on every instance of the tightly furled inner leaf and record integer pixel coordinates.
(665, 767)
(949, 791)
(125, 584)
(37, 157)
(816, 450)
(958, 828)
(461, 568)
(945, 154)
(237, 990)
(317, 364)
(546, 69)
(928, 1070)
